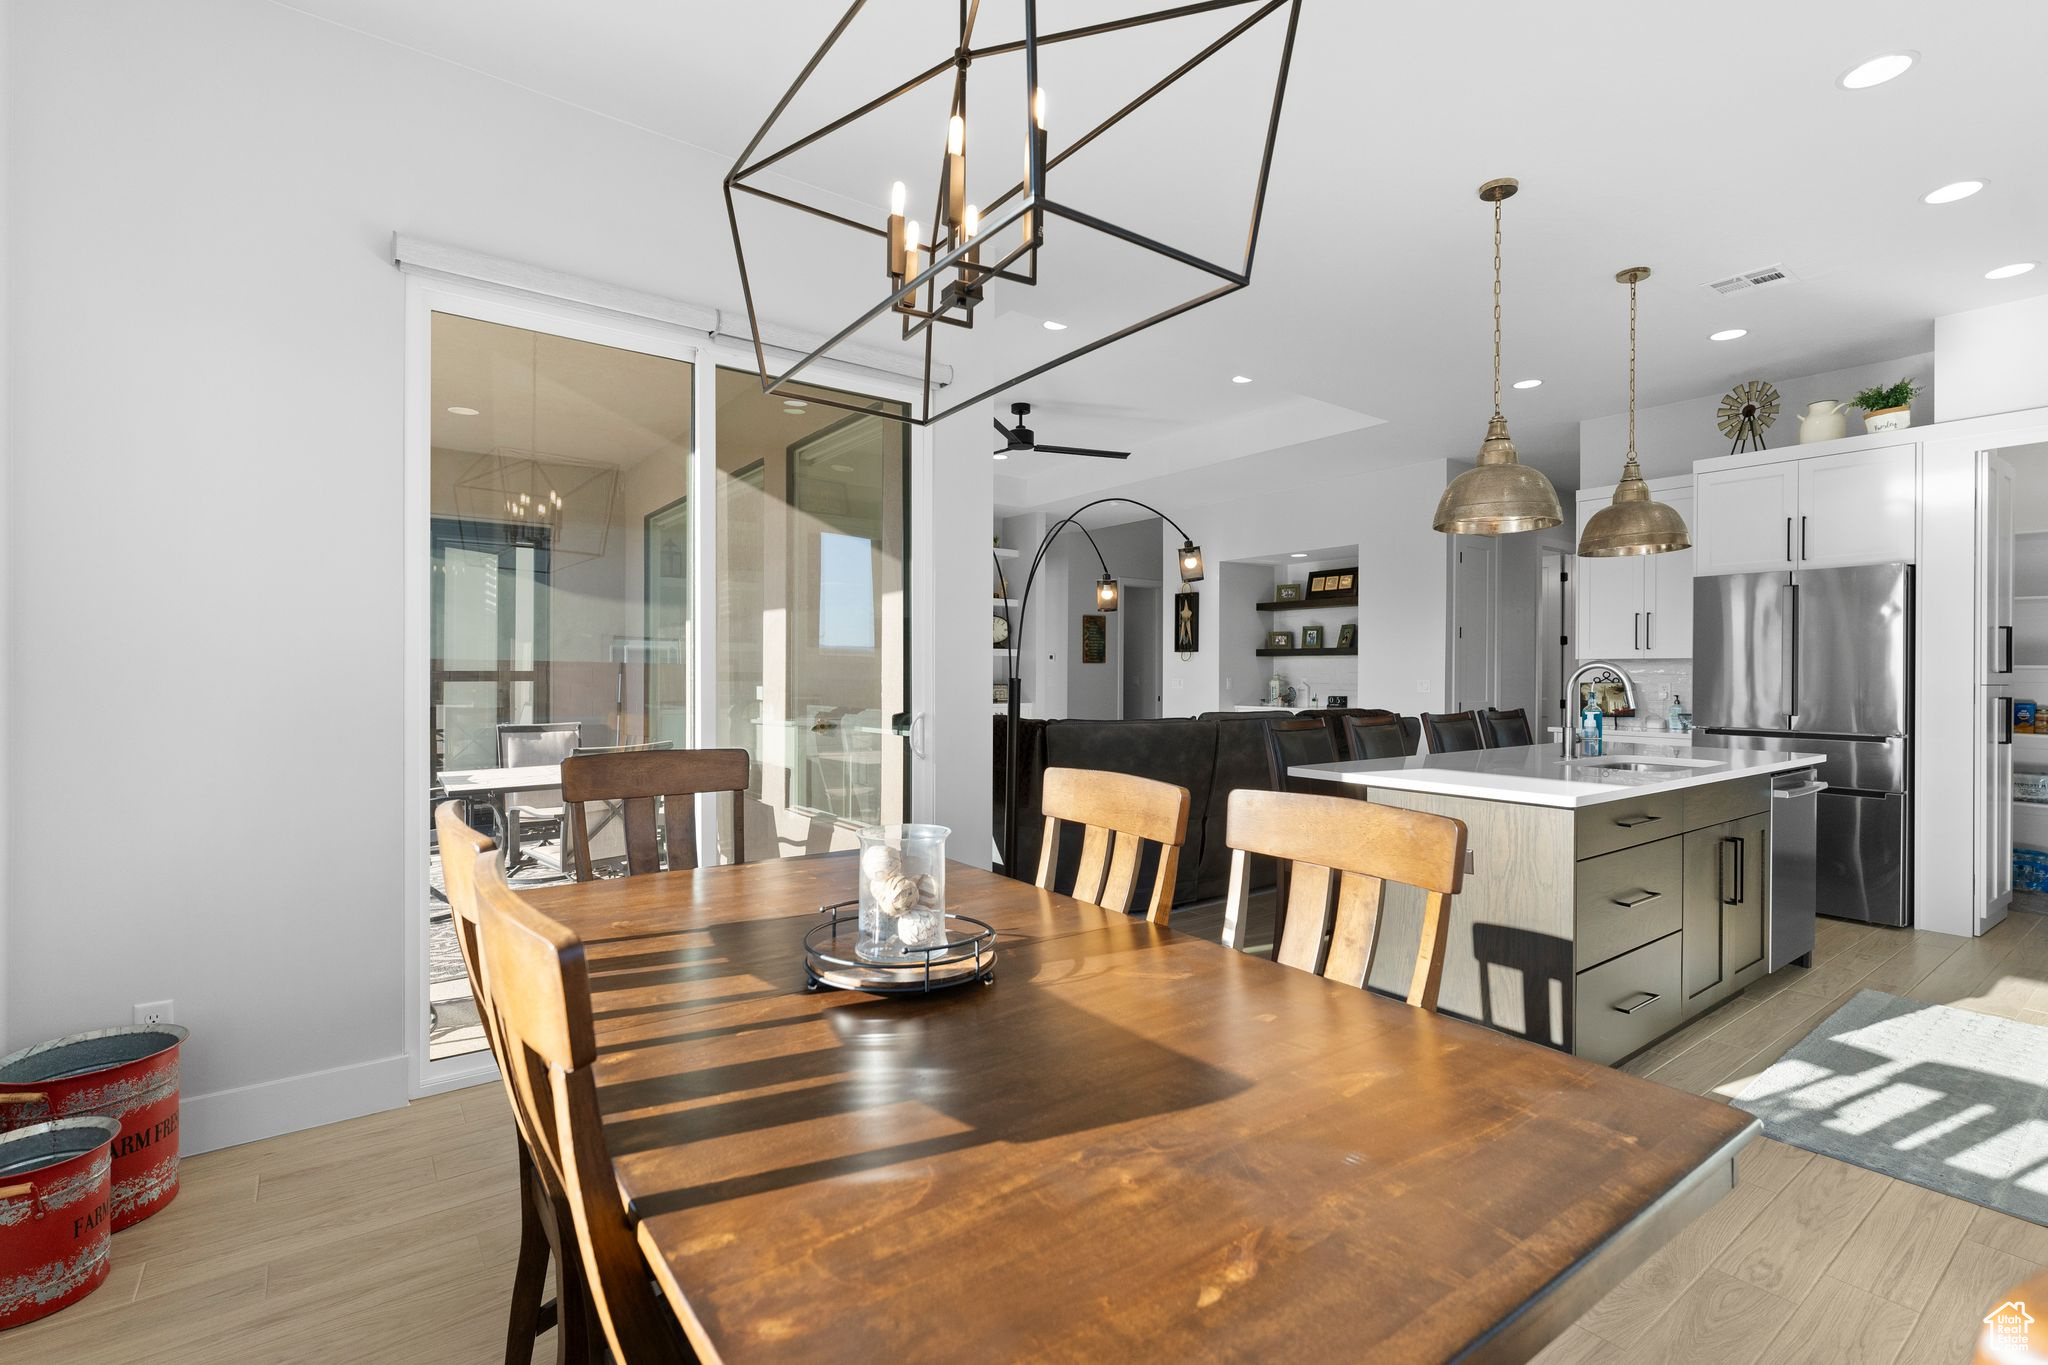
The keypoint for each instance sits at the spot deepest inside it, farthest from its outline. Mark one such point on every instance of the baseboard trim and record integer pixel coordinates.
(249, 1113)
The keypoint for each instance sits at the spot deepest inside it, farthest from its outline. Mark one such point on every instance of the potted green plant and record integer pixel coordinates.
(1887, 407)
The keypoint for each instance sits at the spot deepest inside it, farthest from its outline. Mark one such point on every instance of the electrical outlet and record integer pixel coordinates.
(155, 1013)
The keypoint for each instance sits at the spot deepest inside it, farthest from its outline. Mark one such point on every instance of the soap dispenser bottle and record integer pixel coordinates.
(1675, 718)
(1590, 724)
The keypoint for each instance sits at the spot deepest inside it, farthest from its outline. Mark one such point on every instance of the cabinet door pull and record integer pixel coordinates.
(1802, 537)
(1635, 898)
(1788, 540)
(2005, 720)
(1647, 617)
(1636, 638)
(1648, 998)
(1631, 821)
(2006, 631)
(1721, 870)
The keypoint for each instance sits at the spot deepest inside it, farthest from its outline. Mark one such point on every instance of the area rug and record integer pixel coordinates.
(1944, 1098)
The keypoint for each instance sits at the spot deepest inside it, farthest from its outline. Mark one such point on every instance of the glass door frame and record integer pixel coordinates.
(428, 292)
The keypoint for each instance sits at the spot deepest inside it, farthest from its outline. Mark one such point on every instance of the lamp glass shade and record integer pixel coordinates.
(1499, 496)
(1106, 593)
(1634, 523)
(1190, 562)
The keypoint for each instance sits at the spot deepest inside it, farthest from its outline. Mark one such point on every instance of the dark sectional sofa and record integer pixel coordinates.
(1212, 755)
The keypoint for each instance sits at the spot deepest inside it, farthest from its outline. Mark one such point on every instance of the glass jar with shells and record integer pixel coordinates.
(902, 891)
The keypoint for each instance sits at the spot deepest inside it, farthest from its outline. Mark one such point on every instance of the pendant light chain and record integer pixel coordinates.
(1631, 369)
(1496, 308)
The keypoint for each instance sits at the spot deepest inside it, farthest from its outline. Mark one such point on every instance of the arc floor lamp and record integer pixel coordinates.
(1107, 596)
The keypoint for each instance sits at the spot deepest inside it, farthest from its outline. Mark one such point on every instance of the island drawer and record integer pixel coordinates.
(1630, 821)
(1719, 802)
(1624, 1005)
(1627, 899)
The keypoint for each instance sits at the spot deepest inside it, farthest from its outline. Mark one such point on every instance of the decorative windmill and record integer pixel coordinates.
(1745, 411)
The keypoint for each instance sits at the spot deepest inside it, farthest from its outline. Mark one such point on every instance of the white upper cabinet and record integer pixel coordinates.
(1745, 518)
(1634, 606)
(1856, 507)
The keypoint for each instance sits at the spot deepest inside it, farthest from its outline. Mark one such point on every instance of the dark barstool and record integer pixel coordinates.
(1507, 729)
(1379, 735)
(1453, 732)
(1288, 742)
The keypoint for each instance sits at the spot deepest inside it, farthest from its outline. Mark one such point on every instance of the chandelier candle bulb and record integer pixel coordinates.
(898, 196)
(956, 169)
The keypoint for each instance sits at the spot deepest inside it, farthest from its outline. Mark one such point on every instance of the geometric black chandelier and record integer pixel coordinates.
(936, 276)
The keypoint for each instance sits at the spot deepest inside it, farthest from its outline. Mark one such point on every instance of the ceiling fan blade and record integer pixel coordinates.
(1077, 450)
(1004, 432)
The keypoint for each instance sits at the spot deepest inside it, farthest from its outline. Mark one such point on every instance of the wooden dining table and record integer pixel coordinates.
(1133, 1143)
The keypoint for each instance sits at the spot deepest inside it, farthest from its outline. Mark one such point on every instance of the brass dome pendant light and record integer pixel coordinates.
(1502, 495)
(1634, 523)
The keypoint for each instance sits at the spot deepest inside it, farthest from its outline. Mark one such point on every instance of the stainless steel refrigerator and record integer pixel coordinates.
(1820, 661)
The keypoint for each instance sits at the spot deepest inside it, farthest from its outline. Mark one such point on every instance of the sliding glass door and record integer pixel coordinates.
(588, 506)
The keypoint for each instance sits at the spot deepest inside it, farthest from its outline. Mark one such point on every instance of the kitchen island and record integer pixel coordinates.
(1608, 899)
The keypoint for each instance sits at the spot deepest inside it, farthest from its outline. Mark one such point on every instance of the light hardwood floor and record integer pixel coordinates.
(391, 1238)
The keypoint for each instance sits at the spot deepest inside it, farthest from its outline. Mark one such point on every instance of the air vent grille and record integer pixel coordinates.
(1752, 279)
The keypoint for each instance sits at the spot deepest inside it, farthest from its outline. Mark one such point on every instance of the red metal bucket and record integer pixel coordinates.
(55, 1188)
(126, 1074)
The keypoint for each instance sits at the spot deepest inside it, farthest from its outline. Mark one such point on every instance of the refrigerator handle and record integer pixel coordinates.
(1792, 656)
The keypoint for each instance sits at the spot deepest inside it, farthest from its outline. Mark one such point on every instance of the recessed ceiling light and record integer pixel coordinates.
(1728, 334)
(1240, 379)
(1948, 194)
(1052, 326)
(465, 412)
(1528, 383)
(1000, 455)
(1299, 554)
(1876, 71)
(2006, 272)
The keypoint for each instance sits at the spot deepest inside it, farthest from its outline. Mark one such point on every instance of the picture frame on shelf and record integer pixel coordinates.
(1002, 694)
(1311, 637)
(1287, 592)
(1279, 639)
(1336, 583)
(1347, 636)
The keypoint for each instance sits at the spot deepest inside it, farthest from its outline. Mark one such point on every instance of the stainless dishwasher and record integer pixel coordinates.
(1788, 929)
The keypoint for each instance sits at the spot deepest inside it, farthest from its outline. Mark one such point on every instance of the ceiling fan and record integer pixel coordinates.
(1021, 437)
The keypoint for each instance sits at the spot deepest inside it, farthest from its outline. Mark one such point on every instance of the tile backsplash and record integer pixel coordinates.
(1657, 682)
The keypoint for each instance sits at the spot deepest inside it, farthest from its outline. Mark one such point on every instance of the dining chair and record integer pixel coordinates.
(1342, 855)
(639, 782)
(1377, 735)
(1118, 814)
(1453, 732)
(534, 745)
(467, 854)
(1507, 729)
(539, 983)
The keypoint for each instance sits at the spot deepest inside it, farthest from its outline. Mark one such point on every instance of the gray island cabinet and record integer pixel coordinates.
(1607, 900)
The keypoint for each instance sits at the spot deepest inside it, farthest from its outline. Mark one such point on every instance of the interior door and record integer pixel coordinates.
(1995, 564)
(1143, 636)
(1472, 652)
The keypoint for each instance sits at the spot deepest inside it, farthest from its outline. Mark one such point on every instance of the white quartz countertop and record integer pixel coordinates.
(1537, 775)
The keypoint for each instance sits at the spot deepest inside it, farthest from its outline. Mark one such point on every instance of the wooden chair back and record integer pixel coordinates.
(535, 973)
(639, 782)
(1378, 735)
(1507, 729)
(1301, 740)
(1341, 855)
(1118, 814)
(1453, 732)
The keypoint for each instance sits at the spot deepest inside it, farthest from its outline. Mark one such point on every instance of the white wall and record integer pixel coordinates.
(6, 579)
(1403, 578)
(1132, 552)
(205, 455)
(1670, 436)
(1992, 360)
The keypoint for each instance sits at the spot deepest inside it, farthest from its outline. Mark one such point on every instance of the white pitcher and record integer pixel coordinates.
(1823, 421)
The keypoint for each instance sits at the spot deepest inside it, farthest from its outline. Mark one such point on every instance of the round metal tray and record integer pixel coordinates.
(968, 954)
